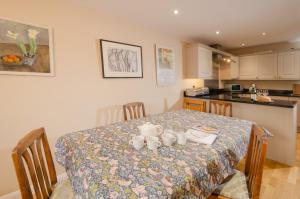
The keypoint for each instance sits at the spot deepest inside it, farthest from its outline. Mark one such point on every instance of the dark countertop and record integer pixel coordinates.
(282, 93)
(235, 98)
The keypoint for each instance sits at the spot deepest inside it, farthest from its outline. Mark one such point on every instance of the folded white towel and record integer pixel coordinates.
(206, 129)
(200, 136)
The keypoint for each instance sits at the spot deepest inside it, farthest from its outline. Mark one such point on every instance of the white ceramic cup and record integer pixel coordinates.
(138, 142)
(168, 139)
(153, 142)
(181, 138)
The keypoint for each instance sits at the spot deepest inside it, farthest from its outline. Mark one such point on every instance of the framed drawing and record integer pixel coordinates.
(121, 60)
(165, 66)
(25, 49)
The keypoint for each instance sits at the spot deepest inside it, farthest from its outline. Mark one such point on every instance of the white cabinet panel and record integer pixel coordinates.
(267, 67)
(282, 66)
(288, 65)
(235, 68)
(205, 65)
(199, 62)
(297, 99)
(249, 67)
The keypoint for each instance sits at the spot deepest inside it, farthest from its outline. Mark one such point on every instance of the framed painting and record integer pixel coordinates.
(25, 49)
(121, 60)
(165, 65)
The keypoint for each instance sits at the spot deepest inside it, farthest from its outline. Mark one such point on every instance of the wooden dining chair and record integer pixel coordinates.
(220, 108)
(135, 109)
(194, 104)
(32, 157)
(247, 185)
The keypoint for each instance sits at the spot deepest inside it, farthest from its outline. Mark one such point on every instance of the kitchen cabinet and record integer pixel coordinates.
(248, 67)
(267, 67)
(282, 146)
(194, 104)
(270, 66)
(230, 71)
(297, 99)
(199, 62)
(289, 66)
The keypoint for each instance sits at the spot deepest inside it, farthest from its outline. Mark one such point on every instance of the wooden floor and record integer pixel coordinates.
(281, 181)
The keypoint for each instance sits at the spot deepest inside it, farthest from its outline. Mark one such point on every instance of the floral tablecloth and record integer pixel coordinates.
(100, 162)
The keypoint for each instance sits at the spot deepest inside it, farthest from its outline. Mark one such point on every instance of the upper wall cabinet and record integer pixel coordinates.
(289, 66)
(248, 67)
(230, 71)
(267, 67)
(282, 66)
(199, 62)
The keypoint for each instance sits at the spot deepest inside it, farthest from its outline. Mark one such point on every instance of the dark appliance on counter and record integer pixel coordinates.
(233, 87)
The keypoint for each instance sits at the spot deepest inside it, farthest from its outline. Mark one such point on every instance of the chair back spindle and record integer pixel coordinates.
(135, 110)
(220, 108)
(255, 160)
(33, 154)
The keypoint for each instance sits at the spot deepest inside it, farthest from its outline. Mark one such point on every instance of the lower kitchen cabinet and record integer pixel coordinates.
(297, 99)
(194, 104)
(282, 146)
(298, 111)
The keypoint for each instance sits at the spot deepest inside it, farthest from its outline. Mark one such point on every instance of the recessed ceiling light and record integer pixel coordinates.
(175, 12)
(243, 44)
(264, 34)
(217, 32)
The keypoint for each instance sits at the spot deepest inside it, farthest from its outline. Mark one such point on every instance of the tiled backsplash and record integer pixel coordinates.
(275, 85)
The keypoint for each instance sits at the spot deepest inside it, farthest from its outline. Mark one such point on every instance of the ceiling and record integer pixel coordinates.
(239, 21)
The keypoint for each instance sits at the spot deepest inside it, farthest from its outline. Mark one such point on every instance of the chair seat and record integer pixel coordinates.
(63, 190)
(235, 187)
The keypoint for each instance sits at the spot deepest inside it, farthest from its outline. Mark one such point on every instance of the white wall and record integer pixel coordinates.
(77, 97)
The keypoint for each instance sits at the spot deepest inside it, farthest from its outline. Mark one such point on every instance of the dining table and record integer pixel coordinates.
(101, 162)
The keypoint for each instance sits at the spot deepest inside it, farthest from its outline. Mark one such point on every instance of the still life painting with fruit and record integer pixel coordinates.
(25, 49)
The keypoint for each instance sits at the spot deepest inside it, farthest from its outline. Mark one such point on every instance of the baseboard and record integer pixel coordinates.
(17, 194)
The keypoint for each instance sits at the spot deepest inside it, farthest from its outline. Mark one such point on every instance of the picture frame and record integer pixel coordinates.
(37, 43)
(165, 65)
(121, 60)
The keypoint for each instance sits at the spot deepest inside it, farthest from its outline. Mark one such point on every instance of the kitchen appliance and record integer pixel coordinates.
(192, 92)
(233, 87)
(296, 89)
